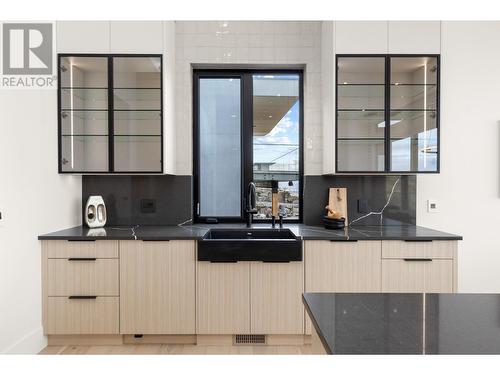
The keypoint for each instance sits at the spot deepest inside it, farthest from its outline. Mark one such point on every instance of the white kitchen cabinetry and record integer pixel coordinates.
(136, 37)
(360, 37)
(414, 37)
(82, 37)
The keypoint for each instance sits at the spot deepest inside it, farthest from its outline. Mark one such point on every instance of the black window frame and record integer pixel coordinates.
(387, 112)
(246, 123)
(110, 111)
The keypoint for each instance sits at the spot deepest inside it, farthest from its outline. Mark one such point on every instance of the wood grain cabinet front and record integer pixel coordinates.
(342, 266)
(157, 287)
(276, 298)
(223, 298)
(419, 266)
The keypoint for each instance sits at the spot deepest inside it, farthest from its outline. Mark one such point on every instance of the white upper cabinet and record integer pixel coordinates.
(136, 37)
(82, 36)
(414, 37)
(361, 37)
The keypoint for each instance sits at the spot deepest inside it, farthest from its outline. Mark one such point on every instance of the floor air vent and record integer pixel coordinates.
(249, 339)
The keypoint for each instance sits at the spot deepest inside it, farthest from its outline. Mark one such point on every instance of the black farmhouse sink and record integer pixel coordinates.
(267, 245)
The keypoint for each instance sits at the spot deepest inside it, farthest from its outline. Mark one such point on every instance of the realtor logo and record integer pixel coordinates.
(27, 48)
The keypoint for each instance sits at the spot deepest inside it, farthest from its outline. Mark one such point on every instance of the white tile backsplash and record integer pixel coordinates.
(249, 42)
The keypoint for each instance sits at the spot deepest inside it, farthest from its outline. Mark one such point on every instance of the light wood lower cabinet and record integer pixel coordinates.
(419, 267)
(157, 287)
(342, 267)
(411, 275)
(276, 298)
(223, 298)
(99, 277)
(82, 316)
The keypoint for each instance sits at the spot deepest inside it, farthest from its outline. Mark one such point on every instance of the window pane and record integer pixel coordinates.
(276, 112)
(220, 147)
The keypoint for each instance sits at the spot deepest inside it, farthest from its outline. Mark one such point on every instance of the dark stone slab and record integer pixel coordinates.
(406, 323)
(172, 196)
(375, 190)
(307, 232)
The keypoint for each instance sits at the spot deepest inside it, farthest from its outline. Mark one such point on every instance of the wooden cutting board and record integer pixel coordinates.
(337, 200)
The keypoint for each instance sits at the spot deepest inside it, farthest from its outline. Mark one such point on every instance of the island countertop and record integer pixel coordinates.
(405, 323)
(197, 231)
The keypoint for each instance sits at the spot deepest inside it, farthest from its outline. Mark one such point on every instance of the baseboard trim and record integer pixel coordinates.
(85, 340)
(31, 343)
(160, 339)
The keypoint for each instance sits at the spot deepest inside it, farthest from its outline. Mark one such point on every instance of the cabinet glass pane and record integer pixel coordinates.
(220, 147)
(361, 97)
(137, 153)
(84, 153)
(360, 124)
(89, 72)
(137, 122)
(137, 99)
(137, 72)
(84, 99)
(361, 155)
(413, 131)
(361, 70)
(84, 123)
(414, 141)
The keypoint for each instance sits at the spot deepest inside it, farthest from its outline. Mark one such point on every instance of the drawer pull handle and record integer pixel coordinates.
(83, 240)
(82, 259)
(418, 240)
(82, 297)
(417, 259)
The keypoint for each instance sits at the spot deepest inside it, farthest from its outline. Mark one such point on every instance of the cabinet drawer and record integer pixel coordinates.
(82, 316)
(81, 276)
(81, 249)
(417, 275)
(422, 249)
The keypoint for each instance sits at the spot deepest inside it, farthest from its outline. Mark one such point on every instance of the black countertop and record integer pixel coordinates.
(406, 323)
(196, 231)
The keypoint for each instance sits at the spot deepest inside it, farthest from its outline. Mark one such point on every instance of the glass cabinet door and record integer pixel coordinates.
(137, 114)
(360, 114)
(387, 114)
(83, 114)
(413, 114)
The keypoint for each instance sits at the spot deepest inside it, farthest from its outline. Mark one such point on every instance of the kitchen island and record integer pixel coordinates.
(404, 323)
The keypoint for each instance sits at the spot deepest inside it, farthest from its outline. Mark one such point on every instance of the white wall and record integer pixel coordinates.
(468, 188)
(251, 43)
(34, 200)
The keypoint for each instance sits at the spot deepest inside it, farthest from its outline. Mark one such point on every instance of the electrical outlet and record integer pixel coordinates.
(148, 206)
(363, 206)
(432, 206)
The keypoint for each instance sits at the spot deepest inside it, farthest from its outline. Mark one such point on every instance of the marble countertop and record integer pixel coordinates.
(196, 231)
(406, 323)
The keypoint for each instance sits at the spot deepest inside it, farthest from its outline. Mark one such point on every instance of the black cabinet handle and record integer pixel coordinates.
(152, 240)
(83, 240)
(275, 261)
(82, 259)
(223, 261)
(417, 259)
(417, 240)
(82, 297)
(341, 240)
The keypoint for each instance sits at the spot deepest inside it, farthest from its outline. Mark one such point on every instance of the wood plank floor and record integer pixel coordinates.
(176, 349)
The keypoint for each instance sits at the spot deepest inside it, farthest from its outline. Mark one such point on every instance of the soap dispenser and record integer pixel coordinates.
(95, 212)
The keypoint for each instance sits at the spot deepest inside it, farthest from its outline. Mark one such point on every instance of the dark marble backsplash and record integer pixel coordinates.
(374, 189)
(124, 196)
(129, 198)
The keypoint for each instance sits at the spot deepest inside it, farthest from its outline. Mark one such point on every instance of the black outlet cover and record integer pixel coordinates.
(148, 206)
(363, 206)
